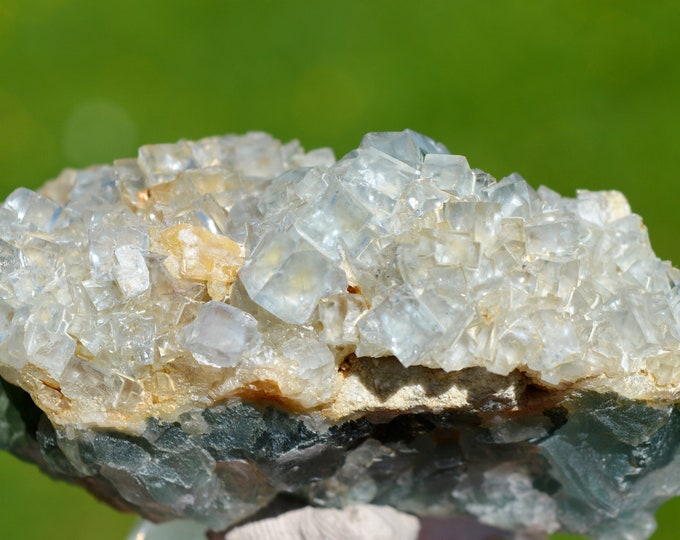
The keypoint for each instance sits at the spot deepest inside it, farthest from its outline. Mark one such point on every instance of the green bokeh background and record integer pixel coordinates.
(572, 94)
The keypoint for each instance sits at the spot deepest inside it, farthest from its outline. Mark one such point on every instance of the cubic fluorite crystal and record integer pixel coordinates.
(215, 325)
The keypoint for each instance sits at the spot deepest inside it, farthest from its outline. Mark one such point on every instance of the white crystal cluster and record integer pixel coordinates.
(237, 264)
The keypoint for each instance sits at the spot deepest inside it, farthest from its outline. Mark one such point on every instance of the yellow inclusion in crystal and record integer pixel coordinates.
(199, 255)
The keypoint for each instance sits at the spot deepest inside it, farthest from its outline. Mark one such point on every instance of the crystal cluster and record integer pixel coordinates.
(218, 322)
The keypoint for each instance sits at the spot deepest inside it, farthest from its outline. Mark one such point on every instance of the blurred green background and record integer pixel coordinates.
(576, 94)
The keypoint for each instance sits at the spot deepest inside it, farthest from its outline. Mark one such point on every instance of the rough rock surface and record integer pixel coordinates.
(217, 323)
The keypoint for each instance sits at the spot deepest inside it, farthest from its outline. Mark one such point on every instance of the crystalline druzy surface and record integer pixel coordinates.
(219, 322)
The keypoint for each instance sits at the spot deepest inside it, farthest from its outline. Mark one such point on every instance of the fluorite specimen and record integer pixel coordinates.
(216, 325)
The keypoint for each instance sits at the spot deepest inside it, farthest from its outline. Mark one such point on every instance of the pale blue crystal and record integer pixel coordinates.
(220, 335)
(450, 173)
(515, 196)
(33, 210)
(377, 180)
(337, 224)
(401, 325)
(94, 192)
(288, 277)
(407, 145)
(162, 162)
(298, 285)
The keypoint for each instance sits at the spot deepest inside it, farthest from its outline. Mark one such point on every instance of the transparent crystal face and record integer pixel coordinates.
(197, 271)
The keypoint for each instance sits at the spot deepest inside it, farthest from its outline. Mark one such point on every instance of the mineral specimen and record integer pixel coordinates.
(215, 325)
